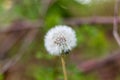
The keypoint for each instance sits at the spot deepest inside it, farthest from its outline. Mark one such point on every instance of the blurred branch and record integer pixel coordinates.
(20, 25)
(111, 58)
(108, 68)
(95, 64)
(90, 20)
(10, 41)
(14, 37)
(26, 43)
(71, 21)
(45, 6)
(115, 23)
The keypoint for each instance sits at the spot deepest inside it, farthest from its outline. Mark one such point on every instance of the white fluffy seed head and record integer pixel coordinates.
(60, 39)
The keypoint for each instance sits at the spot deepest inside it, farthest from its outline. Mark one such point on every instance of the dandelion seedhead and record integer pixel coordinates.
(60, 39)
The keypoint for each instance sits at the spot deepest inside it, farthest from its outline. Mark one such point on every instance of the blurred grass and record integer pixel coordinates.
(55, 73)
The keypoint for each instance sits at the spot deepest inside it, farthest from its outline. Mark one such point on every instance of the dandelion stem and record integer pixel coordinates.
(64, 67)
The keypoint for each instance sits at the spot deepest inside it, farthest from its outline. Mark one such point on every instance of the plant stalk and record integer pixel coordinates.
(64, 67)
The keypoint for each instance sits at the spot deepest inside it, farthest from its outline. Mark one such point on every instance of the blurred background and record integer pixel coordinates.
(24, 23)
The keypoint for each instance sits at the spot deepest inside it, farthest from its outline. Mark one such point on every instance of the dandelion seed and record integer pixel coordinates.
(60, 39)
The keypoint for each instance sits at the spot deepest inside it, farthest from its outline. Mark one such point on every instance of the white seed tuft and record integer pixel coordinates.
(60, 39)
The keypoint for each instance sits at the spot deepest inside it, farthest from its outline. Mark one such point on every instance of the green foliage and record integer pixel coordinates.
(1, 77)
(75, 74)
(93, 39)
(43, 55)
(53, 19)
(29, 9)
(42, 73)
(53, 73)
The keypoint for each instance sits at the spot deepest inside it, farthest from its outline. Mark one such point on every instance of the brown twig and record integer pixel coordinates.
(46, 4)
(94, 64)
(9, 41)
(115, 22)
(71, 21)
(90, 20)
(20, 25)
(26, 42)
